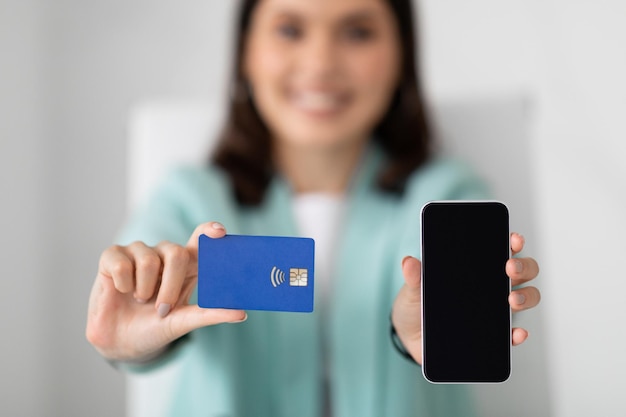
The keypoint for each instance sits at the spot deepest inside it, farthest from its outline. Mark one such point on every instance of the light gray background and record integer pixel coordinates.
(70, 71)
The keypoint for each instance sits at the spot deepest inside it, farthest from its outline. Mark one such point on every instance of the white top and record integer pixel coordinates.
(320, 216)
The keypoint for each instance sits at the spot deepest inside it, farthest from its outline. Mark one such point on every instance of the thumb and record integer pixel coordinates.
(184, 319)
(412, 270)
(406, 312)
(407, 306)
(212, 229)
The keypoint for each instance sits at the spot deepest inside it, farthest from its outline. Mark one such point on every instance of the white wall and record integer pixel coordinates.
(572, 56)
(69, 73)
(23, 229)
(70, 70)
(481, 50)
(581, 182)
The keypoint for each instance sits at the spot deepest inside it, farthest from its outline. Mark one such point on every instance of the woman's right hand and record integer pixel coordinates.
(139, 302)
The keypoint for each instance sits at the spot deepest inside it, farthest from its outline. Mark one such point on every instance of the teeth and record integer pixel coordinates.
(317, 101)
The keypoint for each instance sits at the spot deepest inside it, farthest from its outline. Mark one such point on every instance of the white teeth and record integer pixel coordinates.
(317, 101)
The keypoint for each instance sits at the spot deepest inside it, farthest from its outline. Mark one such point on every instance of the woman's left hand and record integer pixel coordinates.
(406, 313)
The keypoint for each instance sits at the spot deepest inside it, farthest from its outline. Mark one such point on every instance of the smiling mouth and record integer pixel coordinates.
(320, 103)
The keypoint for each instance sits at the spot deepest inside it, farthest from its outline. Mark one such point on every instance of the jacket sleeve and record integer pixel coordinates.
(441, 179)
(185, 198)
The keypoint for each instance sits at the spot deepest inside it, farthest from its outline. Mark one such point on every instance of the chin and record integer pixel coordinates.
(324, 143)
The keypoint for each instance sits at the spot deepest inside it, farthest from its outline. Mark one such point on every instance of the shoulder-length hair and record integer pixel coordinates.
(244, 148)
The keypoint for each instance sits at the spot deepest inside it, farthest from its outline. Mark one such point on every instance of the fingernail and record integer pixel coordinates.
(245, 317)
(518, 266)
(141, 300)
(404, 260)
(163, 309)
(218, 226)
(520, 299)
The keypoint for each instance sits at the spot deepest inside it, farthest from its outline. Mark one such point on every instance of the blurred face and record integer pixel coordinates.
(322, 72)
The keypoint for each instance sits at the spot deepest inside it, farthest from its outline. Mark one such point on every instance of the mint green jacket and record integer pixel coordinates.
(272, 365)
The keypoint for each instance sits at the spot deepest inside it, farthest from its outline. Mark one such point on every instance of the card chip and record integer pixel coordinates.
(298, 277)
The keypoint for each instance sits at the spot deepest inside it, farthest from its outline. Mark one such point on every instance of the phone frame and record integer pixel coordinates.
(510, 315)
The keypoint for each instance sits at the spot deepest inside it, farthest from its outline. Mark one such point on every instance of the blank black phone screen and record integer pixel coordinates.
(465, 310)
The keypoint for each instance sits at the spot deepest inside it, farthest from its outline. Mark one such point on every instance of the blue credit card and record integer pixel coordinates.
(256, 273)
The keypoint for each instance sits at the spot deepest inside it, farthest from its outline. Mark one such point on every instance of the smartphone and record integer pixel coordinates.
(466, 317)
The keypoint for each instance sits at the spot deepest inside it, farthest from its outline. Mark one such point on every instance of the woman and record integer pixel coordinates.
(327, 137)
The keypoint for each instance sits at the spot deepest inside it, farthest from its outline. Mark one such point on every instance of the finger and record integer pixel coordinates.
(189, 286)
(524, 298)
(117, 265)
(517, 243)
(191, 317)
(521, 270)
(518, 336)
(175, 260)
(147, 270)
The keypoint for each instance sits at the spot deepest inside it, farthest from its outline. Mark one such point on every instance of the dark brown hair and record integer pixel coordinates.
(243, 151)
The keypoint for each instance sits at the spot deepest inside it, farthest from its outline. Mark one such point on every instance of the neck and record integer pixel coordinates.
(327, 170)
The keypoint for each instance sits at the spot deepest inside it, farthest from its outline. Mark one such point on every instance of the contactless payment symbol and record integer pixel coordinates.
(277, 277)
(298, 277)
